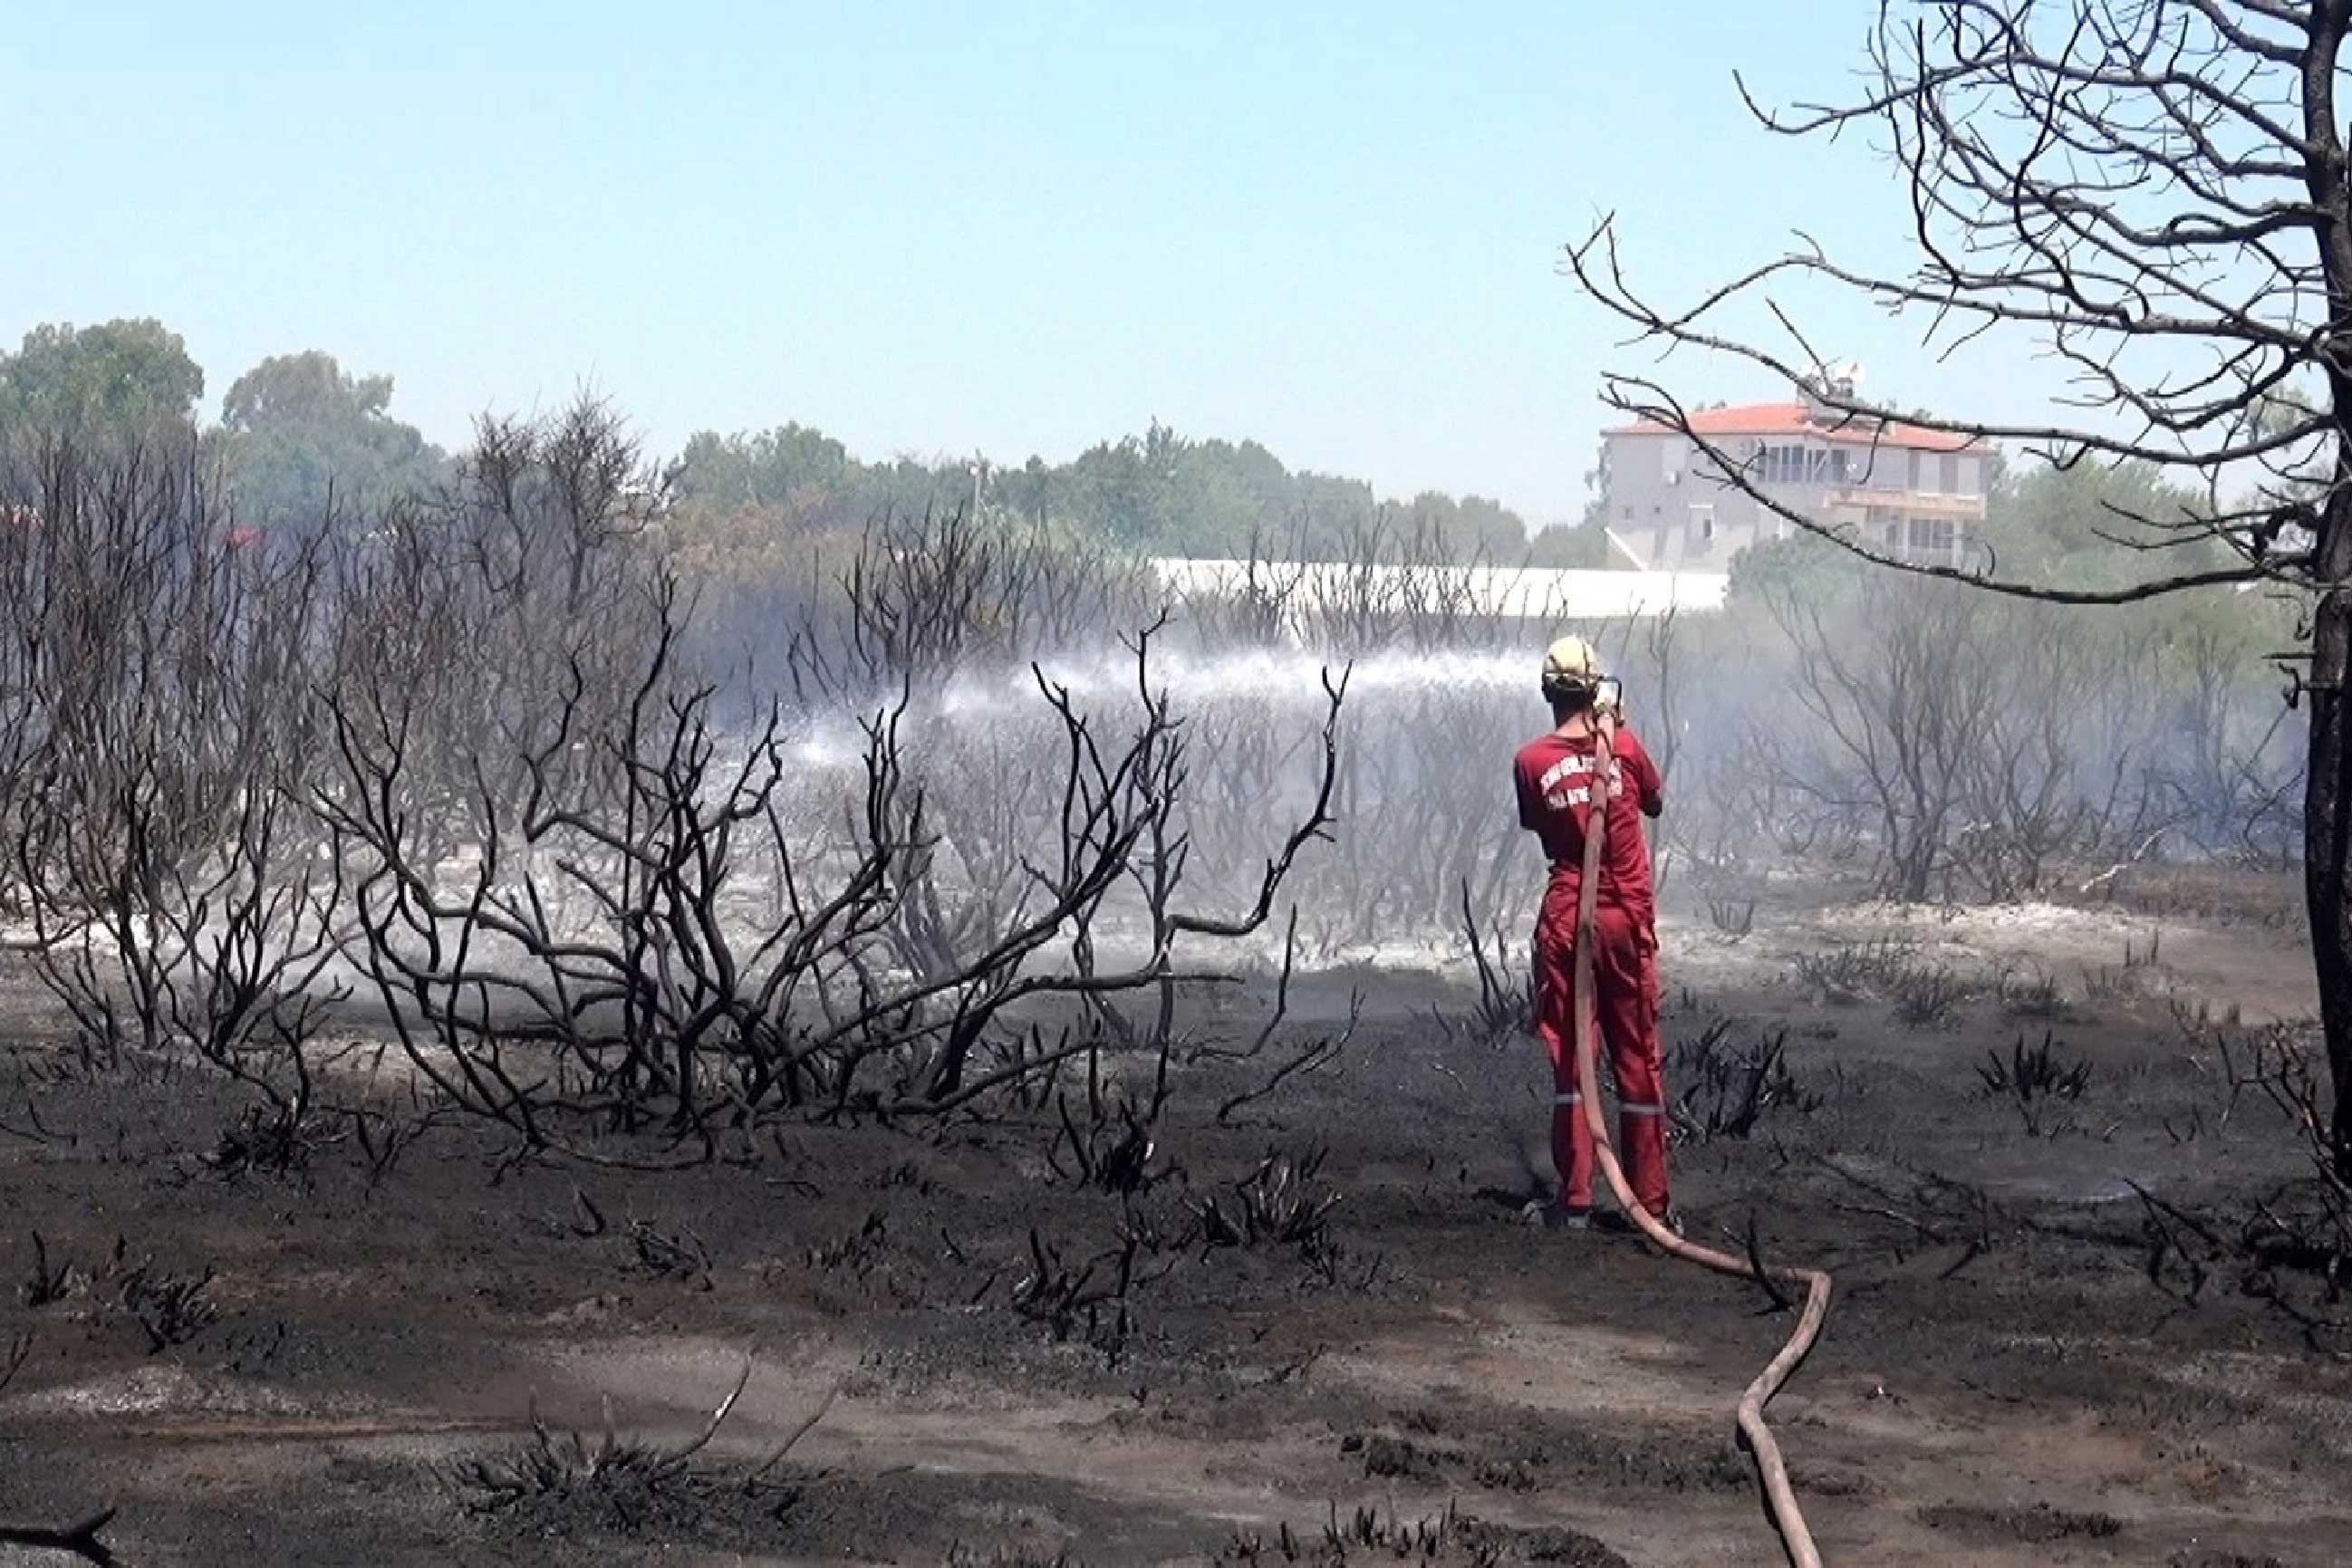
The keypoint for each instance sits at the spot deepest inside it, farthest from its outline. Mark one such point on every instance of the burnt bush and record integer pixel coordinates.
(1365, 1535)
(269, 1140)
(1923, 992)
(623, 1483)
(48, 1283)
(2040, 1524)
(2043, 1072)
(1857, 971)
(2301, 1227)
(466, 753)
(1506, 1008)
(1732, 921)
(1088, 1297)
(618, 1482)
(1282, 1203)
(1929, 995)
(2040, 1080)
(1730, 1088)
(559, 1481)
(661, 1252)
(962, 1556)
(2029, 991)
(1112, 1152)
(1966, 773)
(169, 1307)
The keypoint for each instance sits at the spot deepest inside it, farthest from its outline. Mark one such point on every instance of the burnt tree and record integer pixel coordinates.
(2153, 192)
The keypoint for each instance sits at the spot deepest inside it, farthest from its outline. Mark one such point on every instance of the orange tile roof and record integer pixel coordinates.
(1796, 419)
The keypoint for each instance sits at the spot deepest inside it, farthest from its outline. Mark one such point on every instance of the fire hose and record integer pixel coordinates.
(1771, 1470)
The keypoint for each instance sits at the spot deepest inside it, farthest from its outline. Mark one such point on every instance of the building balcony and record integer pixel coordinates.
(1912, 503)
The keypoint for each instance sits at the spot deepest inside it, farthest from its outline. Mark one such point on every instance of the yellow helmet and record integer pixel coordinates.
(1570, 664)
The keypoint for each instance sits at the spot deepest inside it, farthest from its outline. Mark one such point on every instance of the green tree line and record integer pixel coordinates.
(302, 439)
(1160, 493)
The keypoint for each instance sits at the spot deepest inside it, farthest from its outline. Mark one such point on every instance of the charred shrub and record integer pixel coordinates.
(2043, 1072)
(1448, 1538)
(1929, 995)
(1113, 1151)
(1856, 971)
(2119, 982)
(856, 1251)
(962, 1556)
(2105, 983)
(1401, 1458)
(1091, 1294)
(1367, 1536)
(556, 1481)
(2304, 1226)
(1730, 1088)
(2037, 1080)
(1506, 1009)
(1883, 970)
(1280, 1204)
(169, 1307)
(2029, 992)
(661, 1254)
(617, 1481)
(2040, 1524)
(1732, 921)
(48, 1283)
(275, 1140)
(620, 1483)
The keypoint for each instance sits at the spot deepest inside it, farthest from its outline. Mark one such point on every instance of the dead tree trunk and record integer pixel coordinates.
(2328, 784)
(2327, 818)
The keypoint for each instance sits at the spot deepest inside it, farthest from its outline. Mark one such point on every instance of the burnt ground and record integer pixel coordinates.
(2019, 1369)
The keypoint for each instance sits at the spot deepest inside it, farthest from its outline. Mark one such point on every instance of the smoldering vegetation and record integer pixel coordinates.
(608, 847)
(492, 810)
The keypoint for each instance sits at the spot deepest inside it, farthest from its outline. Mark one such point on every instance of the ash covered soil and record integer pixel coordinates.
(2027, 1362)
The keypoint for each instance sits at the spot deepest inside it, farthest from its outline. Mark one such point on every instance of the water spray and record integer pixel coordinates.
(974, 697)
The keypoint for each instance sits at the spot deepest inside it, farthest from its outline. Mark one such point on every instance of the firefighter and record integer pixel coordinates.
(1555, 779)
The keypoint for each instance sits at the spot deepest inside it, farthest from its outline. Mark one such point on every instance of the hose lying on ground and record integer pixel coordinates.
(1770, 1470)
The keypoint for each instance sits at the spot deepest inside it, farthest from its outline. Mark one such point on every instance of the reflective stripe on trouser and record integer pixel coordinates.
(1625, 997)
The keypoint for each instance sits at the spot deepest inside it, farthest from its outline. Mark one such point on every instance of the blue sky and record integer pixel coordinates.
(1009, 228)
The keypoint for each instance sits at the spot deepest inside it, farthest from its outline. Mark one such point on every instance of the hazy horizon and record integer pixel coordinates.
(1330, 231)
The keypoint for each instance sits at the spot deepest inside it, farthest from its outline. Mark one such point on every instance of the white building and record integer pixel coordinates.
(1514, 600)
(1907, 491)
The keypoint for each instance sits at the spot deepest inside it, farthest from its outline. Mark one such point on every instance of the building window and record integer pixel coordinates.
(1926, 473)
(1701, 531)
(1792, 465)
(1878, 469)
(1932, 538)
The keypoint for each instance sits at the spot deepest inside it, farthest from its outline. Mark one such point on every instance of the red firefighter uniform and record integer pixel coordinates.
(1556, 781)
